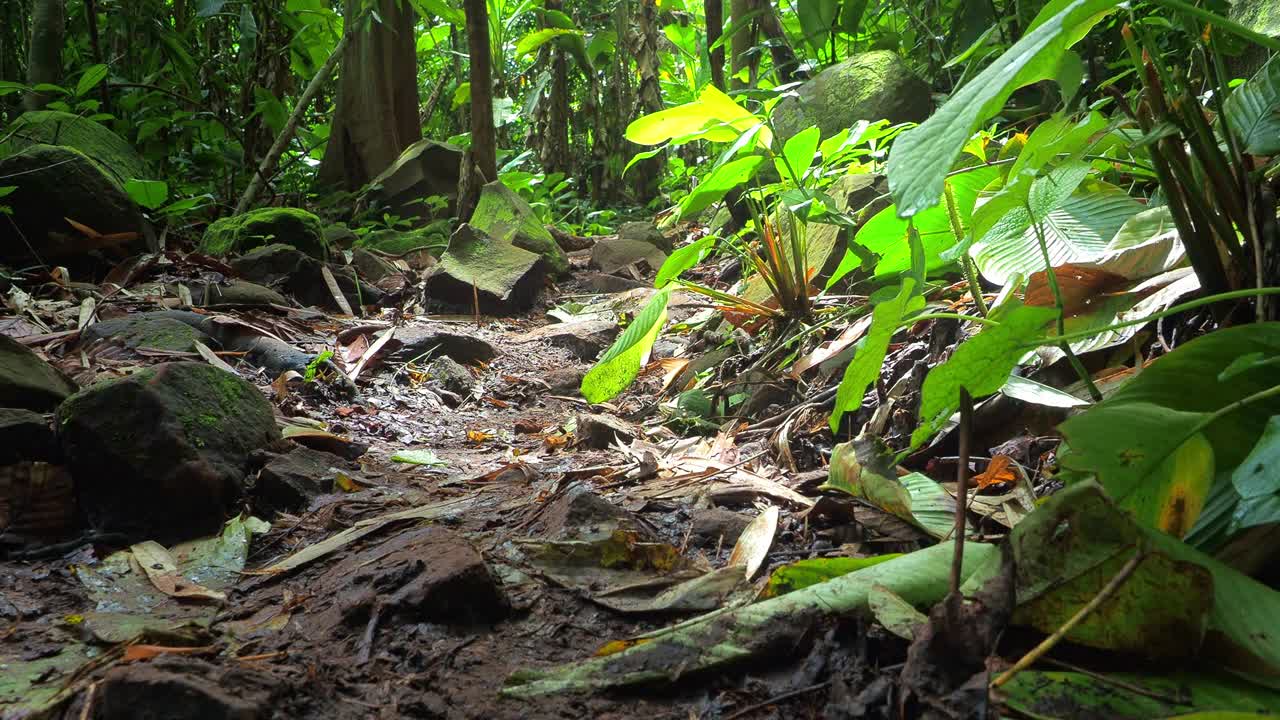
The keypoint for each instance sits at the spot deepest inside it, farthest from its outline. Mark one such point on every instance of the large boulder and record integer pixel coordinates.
(28, 382)
(426, 168)
(266, 226)
(162, 454)
(611, 254)
(53, 127)
(866, 86)
(504, 278)
(54, 184)
(502, 213)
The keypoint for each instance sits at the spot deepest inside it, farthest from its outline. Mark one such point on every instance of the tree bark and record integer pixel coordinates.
(714, 11)
(785, 63)
(740, 44)
(481, 163)
(553, 109)
(377, 104)
(44, 55)
(649, 94)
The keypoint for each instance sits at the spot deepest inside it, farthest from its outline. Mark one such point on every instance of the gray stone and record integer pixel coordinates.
(300, 275)
(504, 278)
(162, 454)
(503, 214)
(149, 331)
(290, 481)
(603, 431)
(578, 513)
(645, 232)
(28, 382)
(610, 254)
(451, 375)
(716, 527)
(585, 339)
(24, 435)
(435, 339)
(870, 86)
(52, 184)
(372, 266)
(424, 169)
(609, 284)
(235, 293)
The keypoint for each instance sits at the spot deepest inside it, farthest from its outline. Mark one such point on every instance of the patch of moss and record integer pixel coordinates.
(401, 242)
(257, 228)
(110, 151)
(502, 213)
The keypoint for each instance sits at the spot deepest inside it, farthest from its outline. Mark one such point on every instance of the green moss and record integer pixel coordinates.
(398, 242)
(867, 86)
(110, 151)
(254, 229)
(505, 215)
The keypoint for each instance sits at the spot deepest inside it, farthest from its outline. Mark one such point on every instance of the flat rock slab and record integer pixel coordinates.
(585, 339)
(173, 687)
(148, 331)
(578, 513)
(432, 340)
(427, 574)
(28, 382)
(502, 214)
(602, 431)
(478, 268)
(162, 454)
(613, 254)
(646, 232)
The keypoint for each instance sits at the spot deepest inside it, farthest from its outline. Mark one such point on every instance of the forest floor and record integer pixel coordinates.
(422, 619)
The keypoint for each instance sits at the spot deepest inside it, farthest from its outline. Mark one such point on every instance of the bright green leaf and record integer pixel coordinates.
(717, 184)
(1253, 111)
(92, 77)
(681, 259)
(621, 363)
(865, 367)
(798, 153)
(713, 116)
(150, 194)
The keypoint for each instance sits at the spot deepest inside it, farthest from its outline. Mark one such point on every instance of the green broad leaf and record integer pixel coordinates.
(865, 367)
(9, 87)
(864, 469)
(1253, 111)
(1189, 380)
(1076, 229)
(1030, 391)
(461, 96)
(816, 18)
(896, 615)
(681, 259)
(536, 39)
(92, 77)
(642, 155)
(1059, 135)
(449, 12)
(803, 573)
(7, 190)
(851, 12)
(922, 156)
(1183, 695)
(717, 184)
(1257, 482)
(714, 116)
(980, 364)
(418, 457)
(885, 234)
(798, 153)
(50, 88)
(150, 194)
(621, 363)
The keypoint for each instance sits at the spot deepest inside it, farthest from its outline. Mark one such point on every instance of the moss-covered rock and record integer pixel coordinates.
(53, 127)
(53, 184)
(506, 278)
(162, 454)
(148, 331)
(28, 382)
(402, 242)
(505, 215)
(866, 86)
(266, 226)
(300, 275)
(424, 169)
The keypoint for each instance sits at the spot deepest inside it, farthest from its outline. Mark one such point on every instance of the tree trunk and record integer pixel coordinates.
(784, 56)
(617, 103)
(648, 172)
(740, 44)
(377, 104)
(44, 55)
(714, 11)
(481, 163)
(553, 110)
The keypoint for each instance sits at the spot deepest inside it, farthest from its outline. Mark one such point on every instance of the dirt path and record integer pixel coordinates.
(426, 619)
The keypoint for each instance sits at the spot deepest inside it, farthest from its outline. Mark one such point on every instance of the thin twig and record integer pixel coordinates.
(777, 699)
(1048, 643)
(962, 488)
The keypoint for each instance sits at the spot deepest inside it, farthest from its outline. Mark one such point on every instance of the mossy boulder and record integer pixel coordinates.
(147, 331)
(162, 454)
(866, 86)
(287, 268)
(503, 214)
(52, 127)
(424, 169)
(28, 382)
(505, 278)
(403, 242)
(266, 226)
(53, 184)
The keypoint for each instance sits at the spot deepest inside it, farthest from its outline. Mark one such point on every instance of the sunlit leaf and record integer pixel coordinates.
(683, 258)
(621, 363)
(865, 367)
(150, 194)
(92, 77)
